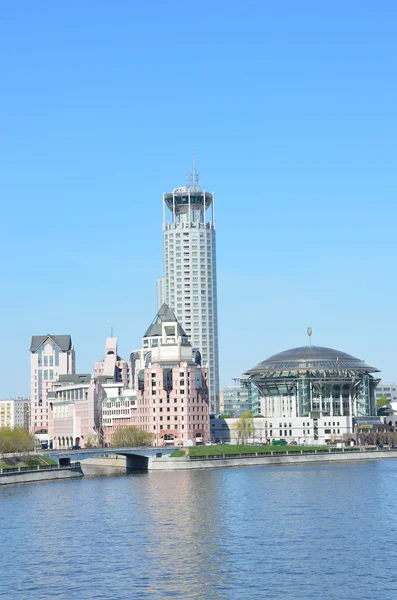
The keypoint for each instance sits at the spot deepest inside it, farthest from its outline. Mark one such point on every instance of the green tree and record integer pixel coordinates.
(382, 401)
(125, 437)
(15, 440)
(244, 427)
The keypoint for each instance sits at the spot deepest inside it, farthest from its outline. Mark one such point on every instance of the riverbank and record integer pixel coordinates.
(21, 475)
(263, 459)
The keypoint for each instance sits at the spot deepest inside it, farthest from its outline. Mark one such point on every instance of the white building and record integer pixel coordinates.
(304, 431)
(50, 356)
(75, 409)
(14, 413)
(387, 389)
(189, 285)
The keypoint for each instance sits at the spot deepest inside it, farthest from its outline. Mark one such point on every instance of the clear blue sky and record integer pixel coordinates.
(291, 110)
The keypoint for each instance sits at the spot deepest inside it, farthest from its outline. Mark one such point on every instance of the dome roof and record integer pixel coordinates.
(315, 358)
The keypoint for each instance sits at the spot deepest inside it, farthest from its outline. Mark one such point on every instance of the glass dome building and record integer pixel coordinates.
(313, 379)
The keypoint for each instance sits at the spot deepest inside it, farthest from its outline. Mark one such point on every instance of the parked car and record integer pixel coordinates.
(75, 447)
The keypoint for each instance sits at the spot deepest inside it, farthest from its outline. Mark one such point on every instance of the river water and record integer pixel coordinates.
(305, 532)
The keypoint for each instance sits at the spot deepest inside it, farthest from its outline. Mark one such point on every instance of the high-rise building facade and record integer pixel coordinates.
(50, 356)
(14, 413)
(189, 285)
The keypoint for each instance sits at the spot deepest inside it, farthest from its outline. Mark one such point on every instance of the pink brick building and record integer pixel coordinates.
(170, 392)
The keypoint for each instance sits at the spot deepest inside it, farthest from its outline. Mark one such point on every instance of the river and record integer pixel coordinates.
(305, 532)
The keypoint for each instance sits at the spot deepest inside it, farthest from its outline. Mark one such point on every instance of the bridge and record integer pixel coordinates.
(138, 459)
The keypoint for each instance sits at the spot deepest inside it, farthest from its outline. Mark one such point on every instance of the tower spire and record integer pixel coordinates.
(193, 178)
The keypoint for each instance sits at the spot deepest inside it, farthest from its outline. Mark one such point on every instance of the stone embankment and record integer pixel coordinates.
(40, 473)
(175, 464)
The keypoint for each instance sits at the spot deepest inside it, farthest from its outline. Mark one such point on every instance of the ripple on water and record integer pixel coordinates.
(302, 532)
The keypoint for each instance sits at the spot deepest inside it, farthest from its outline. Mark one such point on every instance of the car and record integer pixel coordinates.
(75, 447)
(208, 443)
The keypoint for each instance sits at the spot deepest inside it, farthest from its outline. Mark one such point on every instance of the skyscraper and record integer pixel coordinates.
(189, 284)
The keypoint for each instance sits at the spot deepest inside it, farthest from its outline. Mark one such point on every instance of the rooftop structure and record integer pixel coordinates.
(304, 380)
(112, 368)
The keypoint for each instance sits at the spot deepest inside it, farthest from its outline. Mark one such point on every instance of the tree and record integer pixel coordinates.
(125, 437)
(382, 401)
(15, 440)
(244, 427)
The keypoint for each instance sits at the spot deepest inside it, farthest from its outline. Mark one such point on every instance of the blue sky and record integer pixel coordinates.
(291, 110)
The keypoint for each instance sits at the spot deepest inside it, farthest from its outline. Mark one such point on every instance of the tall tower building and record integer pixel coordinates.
(189, 283)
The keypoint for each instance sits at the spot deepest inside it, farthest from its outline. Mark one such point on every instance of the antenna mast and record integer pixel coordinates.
(309, 333)
(193, 178)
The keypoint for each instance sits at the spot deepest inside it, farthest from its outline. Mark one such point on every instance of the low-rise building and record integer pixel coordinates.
(118, 410)
(314, 430)
(75, 409)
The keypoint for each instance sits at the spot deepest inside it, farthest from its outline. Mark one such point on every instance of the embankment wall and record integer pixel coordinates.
(43, 475)
(175, 464)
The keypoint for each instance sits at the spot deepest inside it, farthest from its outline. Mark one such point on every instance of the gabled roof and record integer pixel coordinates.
(164, 315)
(64, 342)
